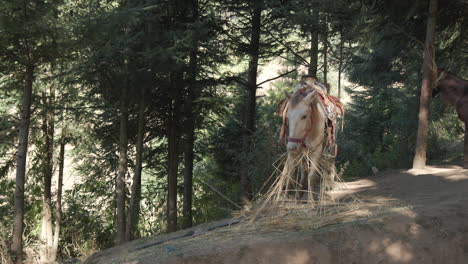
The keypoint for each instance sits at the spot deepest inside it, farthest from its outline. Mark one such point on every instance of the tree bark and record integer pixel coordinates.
(58, 203)
(340, 64)
(419, 160)
(193, 94)
(122, 171)
(48, 129)
(134, 206)
(190, 114)
(250, 100)
(325, 54)
(17, 241)
(173, 153)
(314, 37)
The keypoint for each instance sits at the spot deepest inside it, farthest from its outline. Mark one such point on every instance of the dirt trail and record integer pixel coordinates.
(423, 219)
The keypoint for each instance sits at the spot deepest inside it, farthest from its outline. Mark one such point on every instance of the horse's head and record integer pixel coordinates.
(300, 116)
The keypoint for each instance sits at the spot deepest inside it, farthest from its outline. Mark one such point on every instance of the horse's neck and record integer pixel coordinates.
(453, 88)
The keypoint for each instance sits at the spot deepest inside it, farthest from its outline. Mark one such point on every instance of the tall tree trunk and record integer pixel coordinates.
(58, 203)
(250, 100)
(325, 54)
(48, 129)
(340, 64)
(188, 171)
(193, 94)
(419, 160)
(17, 241)
(120, 185)
(190, 115)
(173, 152)
(134, 206)
(314, 38)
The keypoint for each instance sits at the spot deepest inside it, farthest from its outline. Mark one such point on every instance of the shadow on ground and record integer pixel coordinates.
(419, 216)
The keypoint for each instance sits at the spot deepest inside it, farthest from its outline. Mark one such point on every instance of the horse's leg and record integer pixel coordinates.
(311, 185)
(313, 174)
(287, 173)
(465, 147)
(331, 174)
(462, 111)
(302, 182)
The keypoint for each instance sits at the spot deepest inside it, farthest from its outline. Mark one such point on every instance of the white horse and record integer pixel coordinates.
(309, 118)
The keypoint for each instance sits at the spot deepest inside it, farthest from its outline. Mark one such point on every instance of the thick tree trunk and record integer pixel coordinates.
(250, 100)
(120, 184)
(134, 206)
(58, 203)
(48, 129)
(314, 37)
(17, 241)
(419, 160)
(173, 153)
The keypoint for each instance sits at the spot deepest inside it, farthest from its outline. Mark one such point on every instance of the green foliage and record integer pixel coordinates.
(89, 51)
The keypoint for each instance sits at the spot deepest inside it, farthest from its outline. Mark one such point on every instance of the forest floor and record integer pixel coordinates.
(415, 216)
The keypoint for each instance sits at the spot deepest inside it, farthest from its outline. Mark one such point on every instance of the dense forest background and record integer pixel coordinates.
(126, 119)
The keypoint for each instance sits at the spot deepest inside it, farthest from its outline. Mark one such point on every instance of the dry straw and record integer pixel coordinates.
(291, 202)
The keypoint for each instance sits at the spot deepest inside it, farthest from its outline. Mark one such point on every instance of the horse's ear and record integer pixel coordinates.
(281, 106)
(287, 94)
(311, 97)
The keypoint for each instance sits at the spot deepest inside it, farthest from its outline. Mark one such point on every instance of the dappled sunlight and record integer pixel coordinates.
(399, 252)
(397, 217)
(396, 251)
(288, 255)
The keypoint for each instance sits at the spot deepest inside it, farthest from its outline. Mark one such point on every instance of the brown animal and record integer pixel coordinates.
(454, 91)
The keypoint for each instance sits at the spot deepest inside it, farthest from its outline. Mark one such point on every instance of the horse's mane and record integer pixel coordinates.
(452, 86)
(298, 96)
(444, 75)
(449, 73)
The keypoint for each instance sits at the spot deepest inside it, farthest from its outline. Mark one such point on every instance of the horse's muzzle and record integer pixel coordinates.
(293, 147)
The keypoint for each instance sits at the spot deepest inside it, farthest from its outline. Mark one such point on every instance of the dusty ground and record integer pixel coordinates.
(415, 217)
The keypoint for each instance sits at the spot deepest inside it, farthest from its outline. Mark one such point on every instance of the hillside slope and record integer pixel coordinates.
(419, 217)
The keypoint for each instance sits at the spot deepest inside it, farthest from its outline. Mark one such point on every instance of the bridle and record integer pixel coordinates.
(306, 133)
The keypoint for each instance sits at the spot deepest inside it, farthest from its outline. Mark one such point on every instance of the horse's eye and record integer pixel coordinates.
(304, 116)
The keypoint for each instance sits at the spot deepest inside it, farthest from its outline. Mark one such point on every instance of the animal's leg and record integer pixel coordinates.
(300, 187)
(311, 185)
(312, 175)
(465, 147)
(289, 184)
(462, 111)
(331, 174)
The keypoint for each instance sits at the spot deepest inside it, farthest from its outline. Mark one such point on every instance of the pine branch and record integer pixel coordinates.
(277, 77)
(306, 63)
(399, 29)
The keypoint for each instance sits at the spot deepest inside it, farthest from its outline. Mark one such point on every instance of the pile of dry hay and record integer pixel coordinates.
(288, 205)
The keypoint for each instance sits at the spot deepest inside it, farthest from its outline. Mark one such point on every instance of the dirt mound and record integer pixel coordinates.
(404, 217)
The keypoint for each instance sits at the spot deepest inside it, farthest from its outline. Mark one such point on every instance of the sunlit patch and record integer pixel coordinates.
(398, 251)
